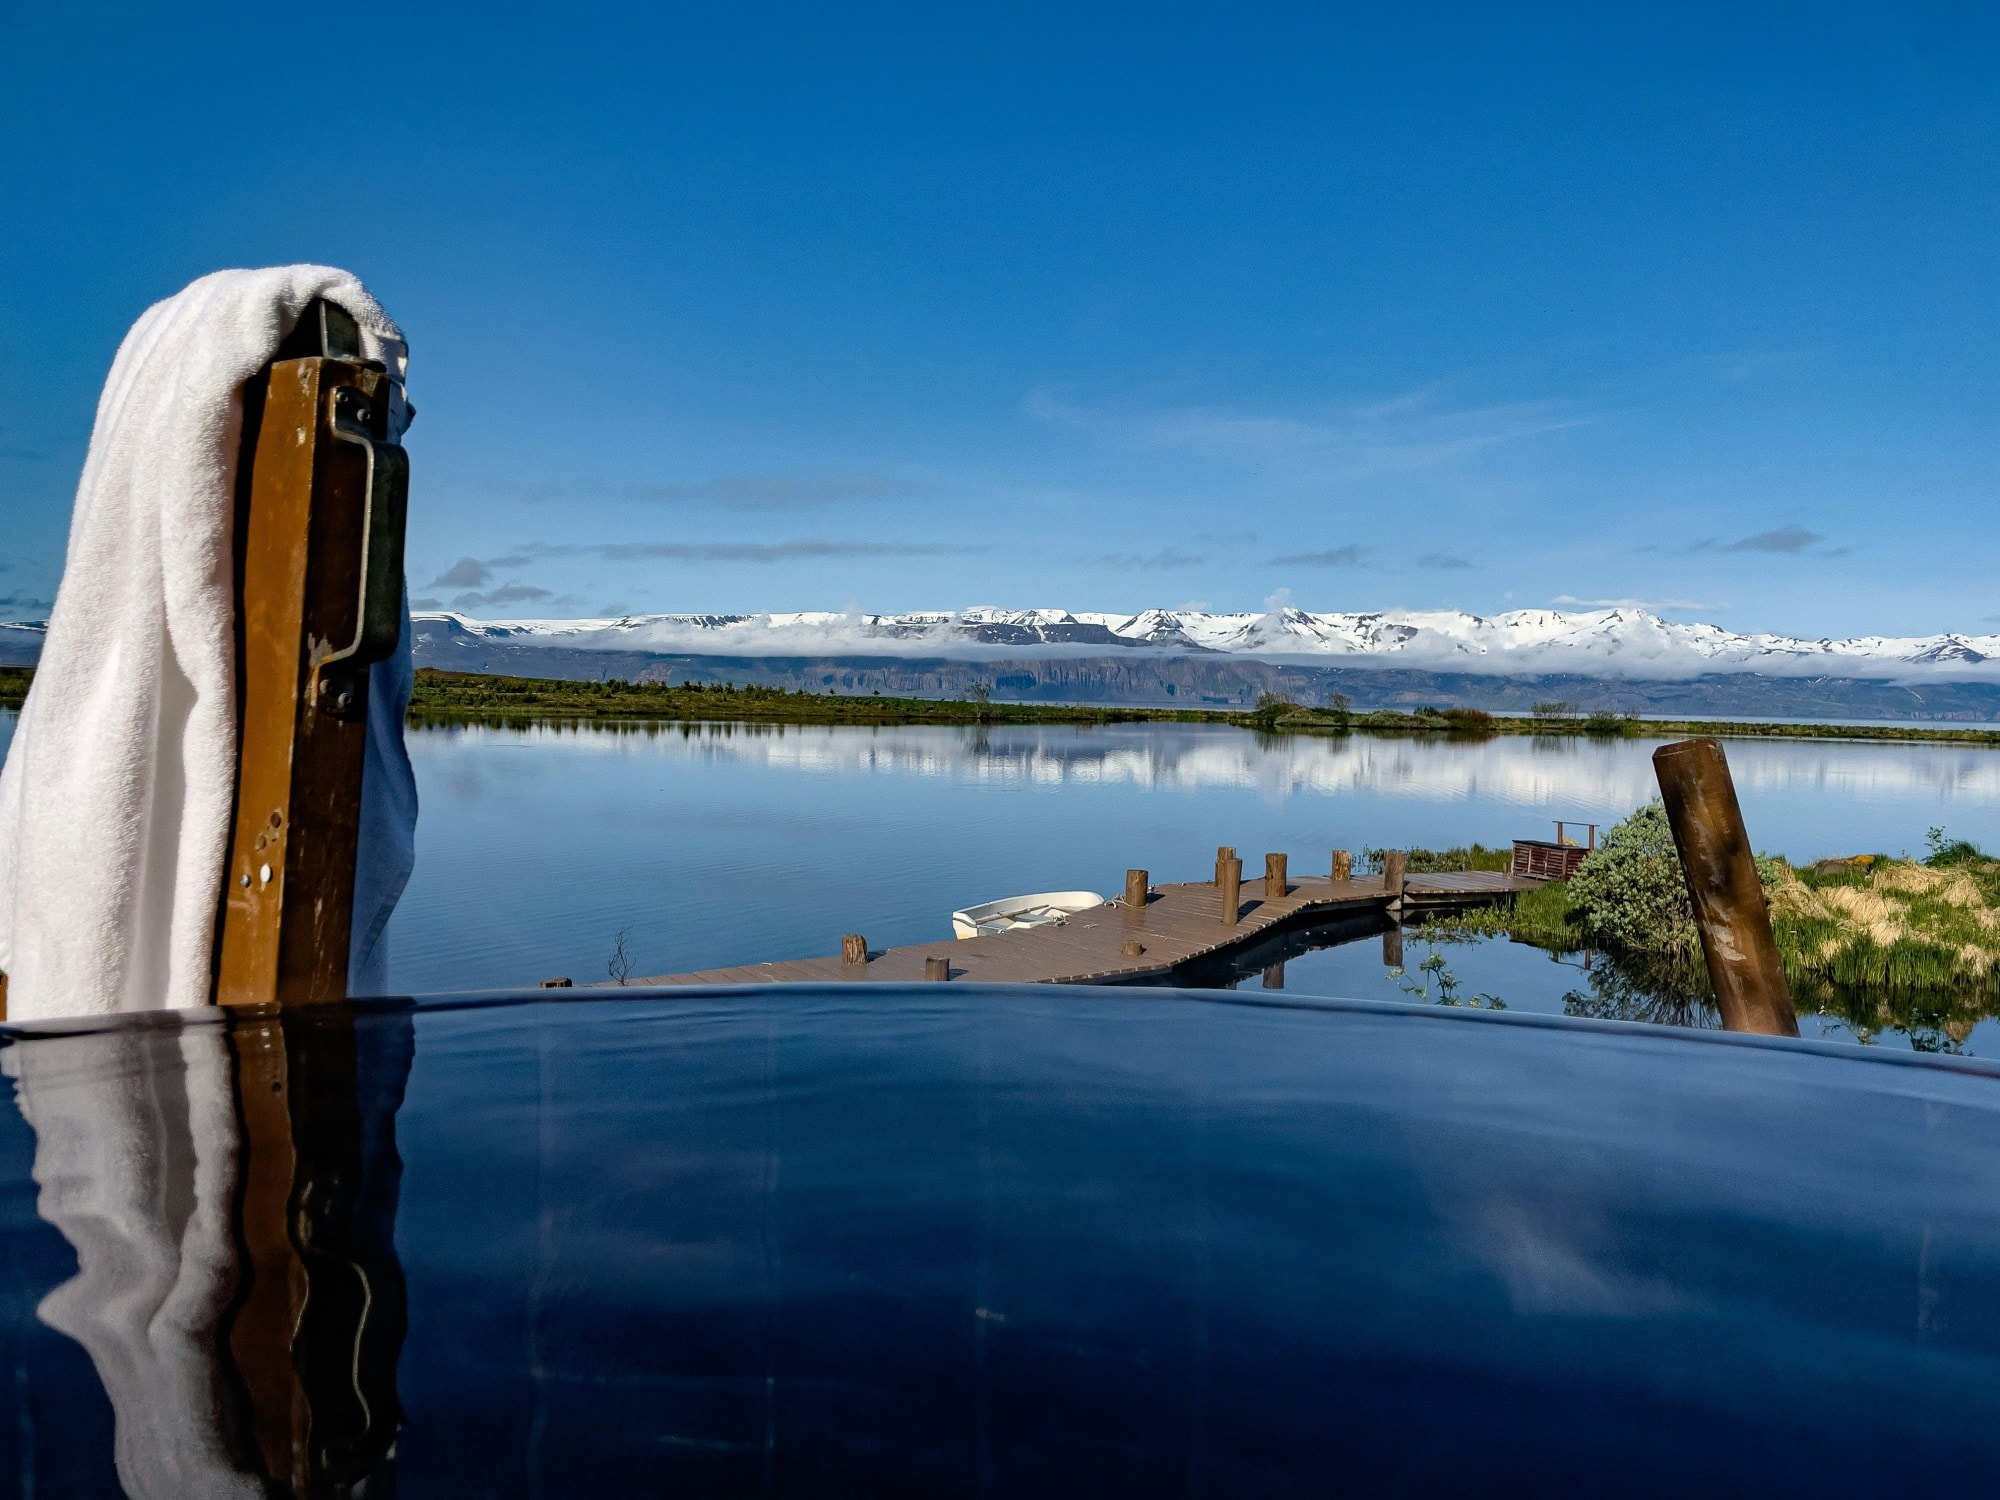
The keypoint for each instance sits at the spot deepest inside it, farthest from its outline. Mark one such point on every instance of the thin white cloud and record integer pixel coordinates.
(1654, 604)
(1402, 434)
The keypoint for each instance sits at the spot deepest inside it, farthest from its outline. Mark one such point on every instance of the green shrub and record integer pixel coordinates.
(1629, 893)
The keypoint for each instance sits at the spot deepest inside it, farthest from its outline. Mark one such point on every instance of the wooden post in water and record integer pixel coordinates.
(853, 948)
(1222, 857)
(321, 496)
(1393, 865)
(1343, 865)
(1230, 882)
(937, 967)
(1276, 887)
(1722, 882)
(1137, 883)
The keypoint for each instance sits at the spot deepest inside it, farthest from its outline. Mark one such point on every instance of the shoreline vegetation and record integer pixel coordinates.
(447, 697)
(1871, 941)
(443, 697)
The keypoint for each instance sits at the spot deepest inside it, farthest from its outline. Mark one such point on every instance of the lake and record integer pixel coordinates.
(713, 844)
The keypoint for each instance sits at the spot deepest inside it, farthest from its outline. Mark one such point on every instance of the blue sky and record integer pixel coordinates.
(747, 307)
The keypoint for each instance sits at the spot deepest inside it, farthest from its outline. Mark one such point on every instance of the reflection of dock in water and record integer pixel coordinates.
(1179, 926)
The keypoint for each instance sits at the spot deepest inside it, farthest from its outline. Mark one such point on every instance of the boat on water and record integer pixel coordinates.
(1042, 909)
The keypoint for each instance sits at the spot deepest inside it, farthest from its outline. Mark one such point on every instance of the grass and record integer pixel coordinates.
(459, 696)
(1876, 943)
(1436, 861)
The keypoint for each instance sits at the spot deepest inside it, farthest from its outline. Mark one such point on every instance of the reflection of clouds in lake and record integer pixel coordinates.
(1569, 774)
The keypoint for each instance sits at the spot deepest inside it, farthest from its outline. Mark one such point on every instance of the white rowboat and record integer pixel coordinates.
(1039, 910)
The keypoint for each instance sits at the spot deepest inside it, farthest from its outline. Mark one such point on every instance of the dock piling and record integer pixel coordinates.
(1275, 884)
(1394, 864)
(1137, 883)
(853, 948)
(1222, 857)
(1230, 880)
(1343, 865)
(937, 967)
(1724, 888)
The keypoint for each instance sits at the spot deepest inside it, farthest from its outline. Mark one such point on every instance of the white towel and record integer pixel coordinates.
(116, 796)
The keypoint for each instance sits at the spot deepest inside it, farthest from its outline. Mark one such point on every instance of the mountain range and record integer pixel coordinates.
(1623, 643)
(1624, 660)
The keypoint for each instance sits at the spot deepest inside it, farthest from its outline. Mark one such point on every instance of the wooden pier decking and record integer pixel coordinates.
(1181, 924)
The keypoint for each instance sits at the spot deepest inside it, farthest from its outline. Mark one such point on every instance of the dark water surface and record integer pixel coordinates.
(876, 1241)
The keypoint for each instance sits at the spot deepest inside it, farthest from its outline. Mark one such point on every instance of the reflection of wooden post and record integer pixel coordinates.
(1274, 977)
(1343, 865)
(319, 1318)
(1392, 948)
(1230, 883)
(1722, 882)
(320, 499)
(1276, 886)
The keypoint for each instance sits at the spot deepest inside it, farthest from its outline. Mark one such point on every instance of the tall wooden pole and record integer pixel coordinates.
(1722, 883)
(321, 495)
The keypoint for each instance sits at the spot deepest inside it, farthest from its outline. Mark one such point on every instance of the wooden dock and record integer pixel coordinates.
(1116, 943)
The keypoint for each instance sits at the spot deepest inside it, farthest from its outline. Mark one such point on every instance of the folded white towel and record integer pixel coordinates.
(116, 796)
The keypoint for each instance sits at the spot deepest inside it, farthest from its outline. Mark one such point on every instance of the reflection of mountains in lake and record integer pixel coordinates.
(1608, 776)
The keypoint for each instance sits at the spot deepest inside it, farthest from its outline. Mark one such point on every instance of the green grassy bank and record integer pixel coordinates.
(1873, 941)
(475, 696)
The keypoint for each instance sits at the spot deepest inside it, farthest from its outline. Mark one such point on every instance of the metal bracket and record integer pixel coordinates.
(378, 620)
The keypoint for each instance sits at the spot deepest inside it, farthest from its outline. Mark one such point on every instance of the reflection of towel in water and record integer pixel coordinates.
(116, 797)
(136, 1153)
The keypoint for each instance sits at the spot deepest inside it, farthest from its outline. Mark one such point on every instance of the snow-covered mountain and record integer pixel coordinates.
(1623, 643)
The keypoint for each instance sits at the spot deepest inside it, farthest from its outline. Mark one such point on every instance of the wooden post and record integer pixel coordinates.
(1137, 883)
(853, 948)
(1275, 885)
(1222, 857)
(1131, 947)
(1274, 977)
(937, 967)
(1343, 865)
(1231, 886)
(321, 496)
(1393, 864)
(1722, 882)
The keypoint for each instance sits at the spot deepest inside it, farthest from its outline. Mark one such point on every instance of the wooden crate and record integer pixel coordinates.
(1543, 859)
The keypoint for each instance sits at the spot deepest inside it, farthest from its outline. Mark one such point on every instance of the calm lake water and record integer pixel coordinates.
(717, 844)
